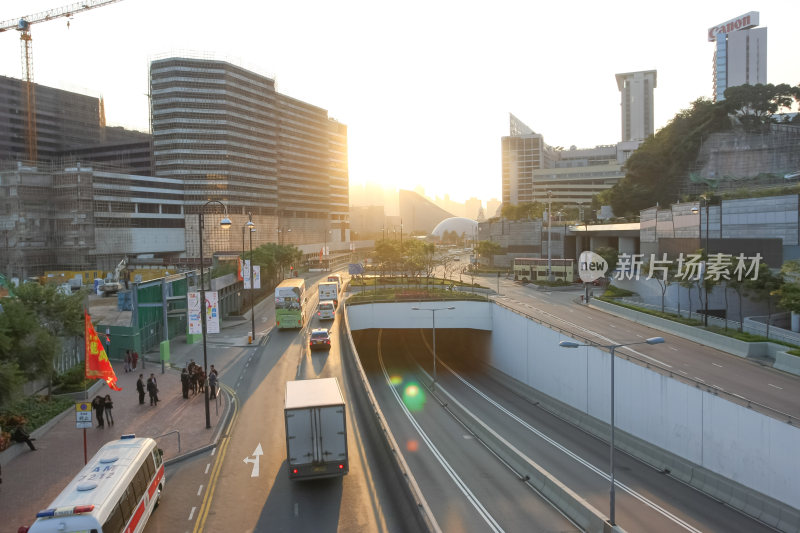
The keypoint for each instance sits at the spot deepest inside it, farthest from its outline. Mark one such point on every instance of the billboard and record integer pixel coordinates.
(743, 22)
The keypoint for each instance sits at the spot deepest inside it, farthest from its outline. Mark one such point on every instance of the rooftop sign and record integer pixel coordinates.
(748, 20)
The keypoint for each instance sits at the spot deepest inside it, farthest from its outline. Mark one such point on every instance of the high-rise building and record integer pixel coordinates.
(740, 55)
(531, 168)
(523, 152)
(636, 89)
(229, 136)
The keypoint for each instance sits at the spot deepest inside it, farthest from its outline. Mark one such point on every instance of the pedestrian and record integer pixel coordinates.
(152, 389)
(20, 435)
(212, 382)
(185, 382)
(140, 389)
(98, 404)
(134, 359)
(127, 361)
(108, 405)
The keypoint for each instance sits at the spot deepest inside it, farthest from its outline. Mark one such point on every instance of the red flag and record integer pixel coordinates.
(239, 272)
(97, 363)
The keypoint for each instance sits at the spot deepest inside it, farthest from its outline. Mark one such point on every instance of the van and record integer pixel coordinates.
(326, 310)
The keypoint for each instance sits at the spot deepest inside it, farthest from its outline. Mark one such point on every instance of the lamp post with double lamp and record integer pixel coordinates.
(704, 203)
(225, 223)
(612, 348)
(433, 315)
(252, 227)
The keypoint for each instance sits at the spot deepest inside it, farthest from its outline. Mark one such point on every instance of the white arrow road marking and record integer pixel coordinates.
(256, 453)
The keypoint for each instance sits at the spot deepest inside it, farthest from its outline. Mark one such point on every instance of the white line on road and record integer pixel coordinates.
(640, 336)
(717, 387)
(673, 349)
(460, 484)
(649, 503)
(213, 451)
(715, 364)
(191, 513)
(700, 380)
(612, 326)
(771, 385)
(200, 490)
(683, 372)
(207, 467)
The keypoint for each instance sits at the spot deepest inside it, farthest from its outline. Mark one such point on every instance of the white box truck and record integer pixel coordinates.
(316, 429)
(329, 291)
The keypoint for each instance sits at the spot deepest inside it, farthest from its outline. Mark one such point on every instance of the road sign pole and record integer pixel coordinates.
(85, 457)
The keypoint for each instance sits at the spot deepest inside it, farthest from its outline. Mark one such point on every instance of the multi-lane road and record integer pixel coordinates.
(242, 485)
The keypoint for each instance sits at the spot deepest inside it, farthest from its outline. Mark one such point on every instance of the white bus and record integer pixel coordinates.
(115, 492)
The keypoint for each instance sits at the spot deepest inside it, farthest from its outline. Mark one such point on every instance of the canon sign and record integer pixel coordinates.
(748, 20)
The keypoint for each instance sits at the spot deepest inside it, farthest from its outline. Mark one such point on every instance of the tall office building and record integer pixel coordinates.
(230, 137)
(740, 55)
(523, 151)
(637, 104)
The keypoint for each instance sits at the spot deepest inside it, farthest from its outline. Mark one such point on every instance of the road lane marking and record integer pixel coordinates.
(715, 364)
(771, 385)
(200, 490)
(208, 465)
(490, 521)
(191, 513)
(685, 373)
(700, 380)
(570, 453)
(212, 482)
(673, 349)
(640, 336)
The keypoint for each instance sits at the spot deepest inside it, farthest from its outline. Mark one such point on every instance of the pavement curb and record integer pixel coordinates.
(224, 422)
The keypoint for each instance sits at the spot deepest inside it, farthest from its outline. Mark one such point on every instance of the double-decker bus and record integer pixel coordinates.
(533, 268)
(290, 303)
(116, 491)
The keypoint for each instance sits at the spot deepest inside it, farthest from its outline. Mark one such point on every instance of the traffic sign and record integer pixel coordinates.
(83, 415)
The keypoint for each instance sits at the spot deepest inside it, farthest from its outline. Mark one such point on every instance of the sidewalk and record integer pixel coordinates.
(31, 479)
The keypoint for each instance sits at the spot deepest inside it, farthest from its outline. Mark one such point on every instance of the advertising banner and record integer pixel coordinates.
(256, 276)
(212, 310)
(246, 274)
(193, 308)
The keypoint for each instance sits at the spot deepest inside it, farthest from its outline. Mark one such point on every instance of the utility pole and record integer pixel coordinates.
(549, 235)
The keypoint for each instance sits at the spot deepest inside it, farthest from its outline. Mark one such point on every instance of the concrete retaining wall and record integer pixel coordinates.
(715, 445)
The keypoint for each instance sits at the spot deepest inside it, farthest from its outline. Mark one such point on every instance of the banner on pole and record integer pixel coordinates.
(246, 274)
(212, 310)
(193, 305)
(256, 276)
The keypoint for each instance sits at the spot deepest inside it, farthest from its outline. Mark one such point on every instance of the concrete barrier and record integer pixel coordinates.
(412, 488)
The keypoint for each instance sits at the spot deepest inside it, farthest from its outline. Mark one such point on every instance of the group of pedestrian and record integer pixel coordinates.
(131, 360)
(193, 378)
(151, 387)
(103, 407)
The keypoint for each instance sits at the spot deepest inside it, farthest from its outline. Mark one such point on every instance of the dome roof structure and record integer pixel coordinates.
(461, 225)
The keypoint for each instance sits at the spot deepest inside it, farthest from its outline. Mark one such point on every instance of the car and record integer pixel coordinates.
(326, 310)
(320, 338)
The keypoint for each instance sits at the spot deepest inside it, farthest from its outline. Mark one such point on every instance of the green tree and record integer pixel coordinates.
(789, 294)
(766, 287)
(755, 105)
(488, 249)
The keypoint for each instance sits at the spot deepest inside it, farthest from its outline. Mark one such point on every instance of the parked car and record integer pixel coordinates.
(319, 338)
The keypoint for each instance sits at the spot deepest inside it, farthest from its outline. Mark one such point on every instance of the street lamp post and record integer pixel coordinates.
(225, 223)
(549, 235)
(704, 204)
(433, 315)
(612, 348)
(249, 224)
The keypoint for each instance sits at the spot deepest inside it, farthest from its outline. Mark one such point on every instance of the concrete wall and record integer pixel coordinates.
(470, 315)
(733, 441)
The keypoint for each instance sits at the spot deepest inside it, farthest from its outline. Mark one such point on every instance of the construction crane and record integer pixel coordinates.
(23, 26)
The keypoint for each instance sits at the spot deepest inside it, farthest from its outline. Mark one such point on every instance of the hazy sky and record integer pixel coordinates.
(425, 88)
